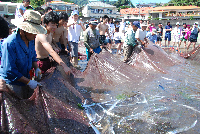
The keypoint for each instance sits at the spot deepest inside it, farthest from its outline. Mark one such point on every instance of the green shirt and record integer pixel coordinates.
(130, 37)
(86, 37)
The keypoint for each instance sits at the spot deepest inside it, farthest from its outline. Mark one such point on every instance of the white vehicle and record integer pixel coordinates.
(8, 8)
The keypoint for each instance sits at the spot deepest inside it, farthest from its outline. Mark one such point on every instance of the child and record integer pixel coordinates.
(177, 34)
(92, 39)
(117, 38)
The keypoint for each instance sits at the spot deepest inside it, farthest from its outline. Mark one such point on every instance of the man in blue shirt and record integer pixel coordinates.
(152, 36)
(19, 56)
(168, 29)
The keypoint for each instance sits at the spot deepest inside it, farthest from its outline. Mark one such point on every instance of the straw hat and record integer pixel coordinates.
(30, 22)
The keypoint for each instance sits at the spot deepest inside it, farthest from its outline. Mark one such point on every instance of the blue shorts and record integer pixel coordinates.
(168, 35)
(108, 41)
(96, 50)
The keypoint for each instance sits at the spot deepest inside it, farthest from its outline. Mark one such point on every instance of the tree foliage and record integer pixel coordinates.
(124, 3)
(183, 3)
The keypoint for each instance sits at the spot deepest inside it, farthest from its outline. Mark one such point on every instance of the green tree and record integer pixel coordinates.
(183, 3)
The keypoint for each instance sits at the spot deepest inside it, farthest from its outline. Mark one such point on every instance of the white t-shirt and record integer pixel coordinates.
(111, 28)
(122, 26)
(177, 31)
(18, 14)
(117, 36)
(74, 32)
(140, 34)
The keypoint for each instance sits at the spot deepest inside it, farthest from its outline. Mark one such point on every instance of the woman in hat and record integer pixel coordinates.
(19, 56)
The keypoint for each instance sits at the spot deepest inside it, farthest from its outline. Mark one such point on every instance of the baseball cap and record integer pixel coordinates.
(75, 12)
(93, 21)
(177, 23)
(136, 23)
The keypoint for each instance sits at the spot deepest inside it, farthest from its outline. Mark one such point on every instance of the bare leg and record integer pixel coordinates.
(165, 42)
(168, 43)
(189, 43)
(194, 43)
(184, 44)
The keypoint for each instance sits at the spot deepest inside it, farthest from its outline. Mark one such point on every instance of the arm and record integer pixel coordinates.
(109, 34)
(86, 40)
(21, 12)
(55, 46)
(82, 26)
(56, 57)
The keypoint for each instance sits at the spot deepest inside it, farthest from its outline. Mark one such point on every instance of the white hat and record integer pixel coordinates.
(196, 23)
(177, 23)
(30, 22)
(143, 24)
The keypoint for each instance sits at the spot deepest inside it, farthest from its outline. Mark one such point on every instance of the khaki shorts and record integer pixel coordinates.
(128, 50)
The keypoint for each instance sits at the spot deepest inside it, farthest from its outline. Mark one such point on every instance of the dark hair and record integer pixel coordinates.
(63, 15)
(26, 1)
(5, 15)
(117, 29)
(168, 22)
(29, 7)
(4, 29)
(47, 9)
(105, 16)
(184, 23)
(51, 17)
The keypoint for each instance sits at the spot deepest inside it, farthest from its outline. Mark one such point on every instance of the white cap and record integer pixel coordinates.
(177, 23)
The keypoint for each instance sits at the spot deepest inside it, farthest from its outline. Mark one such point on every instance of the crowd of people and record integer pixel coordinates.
(41, 37)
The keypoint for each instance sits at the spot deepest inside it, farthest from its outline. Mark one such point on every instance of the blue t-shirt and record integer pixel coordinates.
(168, 27)
(151, 37)
(194, 33)
(17, 59)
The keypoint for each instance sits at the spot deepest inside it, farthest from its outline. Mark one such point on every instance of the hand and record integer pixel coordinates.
(67, 70)
(91, 50)
(57, 50)
(38, 73)
(66, 50)
(33, 84)
(2, 85)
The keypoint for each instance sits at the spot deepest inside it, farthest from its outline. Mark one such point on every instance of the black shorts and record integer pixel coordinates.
(117, 41)
(159, 39)
(192, 40)
(103, 39)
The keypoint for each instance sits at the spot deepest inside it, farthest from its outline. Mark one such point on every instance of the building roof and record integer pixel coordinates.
(143, 10)
(99, 4)
(177, 8)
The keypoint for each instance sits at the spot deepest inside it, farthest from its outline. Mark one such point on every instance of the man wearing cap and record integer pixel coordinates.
(141, 35)
(159, 34)
(92, 39)
(19, 56)
(184, 31)
(152, 36)
(194, 34)
(177, 34)
(21, 9)
(130, 41)
(74, 32)
(168, 29)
